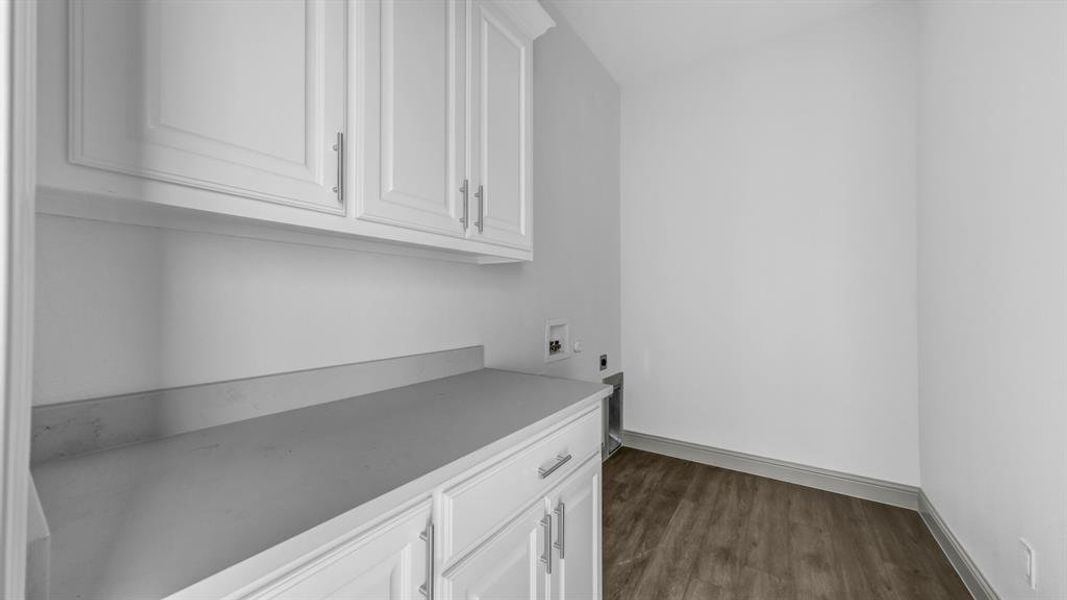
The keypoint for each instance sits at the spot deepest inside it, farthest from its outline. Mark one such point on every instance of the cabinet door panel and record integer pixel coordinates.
(239, 97)
(502, 98)
(577, 505)
(386, 563)
(507, 566)
(414, 99)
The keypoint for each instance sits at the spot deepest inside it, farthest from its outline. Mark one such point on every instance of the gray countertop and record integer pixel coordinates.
(146, 520)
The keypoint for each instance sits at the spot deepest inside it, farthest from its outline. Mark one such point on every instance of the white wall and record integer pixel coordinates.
(124, 308)
(992, 289)
(768, 235)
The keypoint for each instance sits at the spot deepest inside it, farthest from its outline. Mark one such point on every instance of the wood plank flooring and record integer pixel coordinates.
(678, 530)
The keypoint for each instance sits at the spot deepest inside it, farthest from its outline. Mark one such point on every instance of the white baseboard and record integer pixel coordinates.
(877, 490)
(976, 583)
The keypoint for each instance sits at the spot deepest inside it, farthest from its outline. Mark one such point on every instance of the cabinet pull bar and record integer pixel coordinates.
(339, 147)
(560, 461)
(426, 589)
(546, 555)
(466, 204)
(561, 517)
(480, 196)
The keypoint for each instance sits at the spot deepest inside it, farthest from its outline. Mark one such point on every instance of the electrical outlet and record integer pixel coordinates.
(1031, 563)
(603, 362)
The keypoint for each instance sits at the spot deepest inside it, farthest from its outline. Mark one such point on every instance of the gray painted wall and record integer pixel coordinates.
(769, 249)
(126, 308)
(993, 283)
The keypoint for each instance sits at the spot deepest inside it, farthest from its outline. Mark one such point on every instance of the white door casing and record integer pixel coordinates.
(18, 153)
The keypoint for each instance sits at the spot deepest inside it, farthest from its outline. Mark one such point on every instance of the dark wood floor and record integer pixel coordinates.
(678, 530)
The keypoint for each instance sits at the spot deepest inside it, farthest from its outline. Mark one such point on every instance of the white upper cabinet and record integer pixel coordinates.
(415, 115)
(231, 96)
(326, 122)
(447, 117)
(500, 140)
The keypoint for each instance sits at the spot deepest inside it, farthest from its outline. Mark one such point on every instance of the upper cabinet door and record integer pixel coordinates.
(239, 97)
(501, 108)
(414, 113)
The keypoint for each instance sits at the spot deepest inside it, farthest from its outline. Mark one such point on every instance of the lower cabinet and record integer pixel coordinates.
(388, 562)
(524, 524)
(510, 565)
(551, 550)
(576, 510)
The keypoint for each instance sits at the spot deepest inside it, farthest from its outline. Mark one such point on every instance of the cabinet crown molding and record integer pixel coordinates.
(528, 15)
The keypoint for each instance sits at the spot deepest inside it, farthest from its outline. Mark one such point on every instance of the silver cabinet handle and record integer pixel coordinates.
(546, 555)
(480, 197)
(466, 204)
(561, 517)
(339, 148)
(426, 589)
(560, 461)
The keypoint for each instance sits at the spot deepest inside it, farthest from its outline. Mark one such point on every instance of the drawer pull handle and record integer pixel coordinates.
(561, 535)
(480, 197)
(426, 589)
(560, 461)
(339, 148)
(546, 554)
(465, 190)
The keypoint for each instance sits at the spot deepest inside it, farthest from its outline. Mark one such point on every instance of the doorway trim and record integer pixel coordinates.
(18, 23)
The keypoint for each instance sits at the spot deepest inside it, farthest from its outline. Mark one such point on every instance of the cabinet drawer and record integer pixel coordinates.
(475, 505)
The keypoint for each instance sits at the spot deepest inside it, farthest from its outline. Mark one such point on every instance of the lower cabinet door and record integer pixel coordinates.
(508, 566)
(388, 562)
(576, 512)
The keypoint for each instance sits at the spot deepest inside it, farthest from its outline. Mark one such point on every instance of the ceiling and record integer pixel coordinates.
(637, 39)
